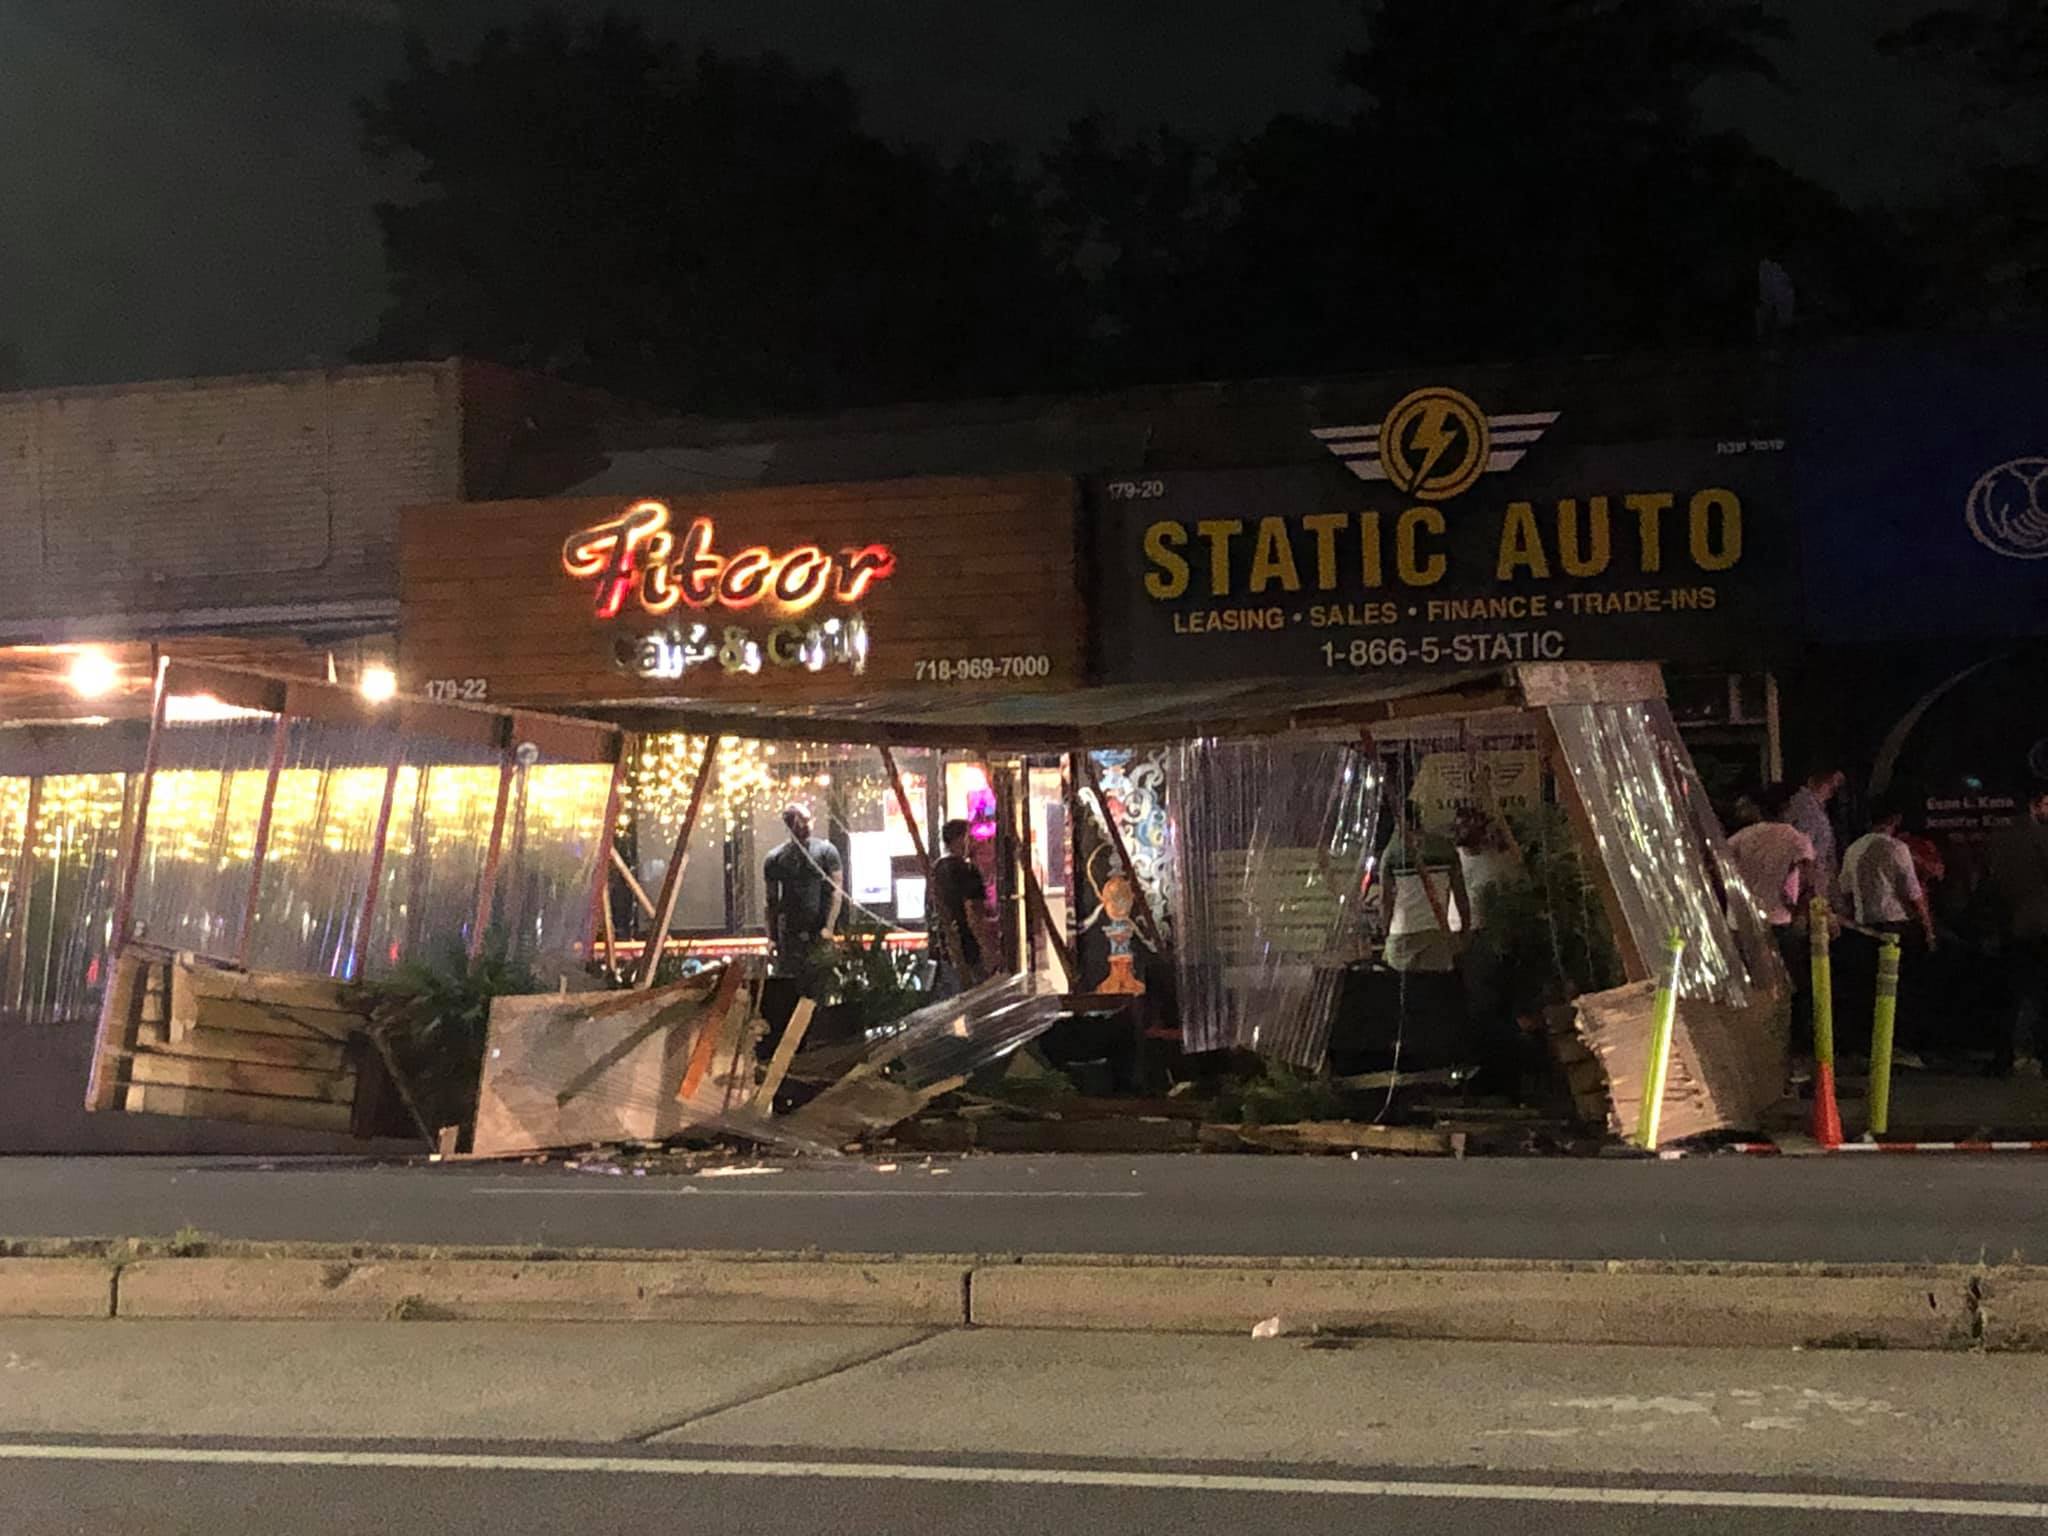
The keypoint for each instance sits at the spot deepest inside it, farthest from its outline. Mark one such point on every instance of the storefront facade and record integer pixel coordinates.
(1020, 646)
(250, 521)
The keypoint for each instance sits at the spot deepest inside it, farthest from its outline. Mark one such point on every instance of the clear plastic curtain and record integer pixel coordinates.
(318, 862)
(57, 921)
(554, 836)
(443, 805)
(199, 834)
(1270, 844)
(15, 793)
(1663, 849)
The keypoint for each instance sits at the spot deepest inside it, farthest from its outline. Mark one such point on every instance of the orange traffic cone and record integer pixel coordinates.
(1827, 1118)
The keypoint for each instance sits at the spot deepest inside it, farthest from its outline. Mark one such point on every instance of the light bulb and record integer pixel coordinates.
(94, 674)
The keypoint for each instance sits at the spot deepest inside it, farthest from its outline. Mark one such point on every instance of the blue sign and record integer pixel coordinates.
(1922, 481)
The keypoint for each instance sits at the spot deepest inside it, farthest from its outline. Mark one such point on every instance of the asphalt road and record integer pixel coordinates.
(1836, 1210)
(504, 1430)
(498, 1497)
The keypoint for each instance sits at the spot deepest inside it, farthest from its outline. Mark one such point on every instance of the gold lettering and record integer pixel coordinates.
(1325, 526)
(1219, 531)
(1582, 559)
(1649, 507)
(1273, 558)
(1163, 543)
(1413, 572)
(1708, 508)
(1521, 544)
(1371, 565)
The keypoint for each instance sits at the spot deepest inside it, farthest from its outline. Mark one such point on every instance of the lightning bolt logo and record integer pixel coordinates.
(1431, 438)
(1434, 444)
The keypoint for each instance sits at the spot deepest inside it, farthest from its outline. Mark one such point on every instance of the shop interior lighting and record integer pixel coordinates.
(94, 674)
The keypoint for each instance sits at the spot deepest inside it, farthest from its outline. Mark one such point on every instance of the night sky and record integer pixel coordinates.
(181, 191)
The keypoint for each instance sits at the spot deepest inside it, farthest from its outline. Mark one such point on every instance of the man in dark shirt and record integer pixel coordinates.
(958, 907)
(804, 890)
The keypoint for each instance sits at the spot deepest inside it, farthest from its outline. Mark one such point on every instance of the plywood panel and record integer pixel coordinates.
(984, 568)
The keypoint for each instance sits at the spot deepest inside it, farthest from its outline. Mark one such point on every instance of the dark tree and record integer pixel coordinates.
(1139, 225)
(1536, 177)
(1521, 177)
(703, 231)
(1986, 243)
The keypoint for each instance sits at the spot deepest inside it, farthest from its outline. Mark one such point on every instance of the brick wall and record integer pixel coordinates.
(198, 503)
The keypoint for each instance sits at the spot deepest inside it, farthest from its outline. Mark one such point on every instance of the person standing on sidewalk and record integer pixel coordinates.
(1883, 897)
(2018, 880)
(957, 914)
(1776, 862)
(1808, 811)
(1880, 883)
(802, 881)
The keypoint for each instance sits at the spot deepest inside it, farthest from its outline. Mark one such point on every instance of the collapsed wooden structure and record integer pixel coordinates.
(570, 1069)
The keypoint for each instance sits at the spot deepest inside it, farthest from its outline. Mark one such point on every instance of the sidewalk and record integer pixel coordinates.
(1612, 1413)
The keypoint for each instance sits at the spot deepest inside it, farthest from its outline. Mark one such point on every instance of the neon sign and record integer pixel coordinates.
(638, 552)
(671, 653)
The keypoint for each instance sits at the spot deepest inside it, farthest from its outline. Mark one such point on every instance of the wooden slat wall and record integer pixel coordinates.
(984, 567)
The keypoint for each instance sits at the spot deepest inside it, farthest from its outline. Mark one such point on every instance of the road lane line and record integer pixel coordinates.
(1044, 1477)
(832, 1194)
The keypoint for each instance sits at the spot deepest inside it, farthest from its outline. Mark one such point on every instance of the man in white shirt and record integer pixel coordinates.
(1881, 894)
(1775, 861)
(1882, 888)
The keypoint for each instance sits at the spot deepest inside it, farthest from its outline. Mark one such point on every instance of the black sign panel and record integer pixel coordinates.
(1442, 538)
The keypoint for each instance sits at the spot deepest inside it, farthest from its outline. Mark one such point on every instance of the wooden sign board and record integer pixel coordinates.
(799, 594)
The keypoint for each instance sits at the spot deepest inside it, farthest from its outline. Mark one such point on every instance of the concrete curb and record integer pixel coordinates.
(1645, 1303)
(56, 1288)
(1501, 1306)
(574, 1290)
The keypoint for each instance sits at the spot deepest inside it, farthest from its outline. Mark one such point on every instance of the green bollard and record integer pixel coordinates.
(1883, 1018)
(1827, 1117)
(1819, 942)
(1663, 1022)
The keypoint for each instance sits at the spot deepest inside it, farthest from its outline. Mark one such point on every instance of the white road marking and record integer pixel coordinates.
(1043, 1477)
(830, 1194)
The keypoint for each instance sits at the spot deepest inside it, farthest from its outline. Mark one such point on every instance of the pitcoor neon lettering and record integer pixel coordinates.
(639, 553)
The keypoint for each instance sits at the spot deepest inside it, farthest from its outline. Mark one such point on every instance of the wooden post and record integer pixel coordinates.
(601, 885)
(1042, 909)
(131, 852)
(672, 881)
(1632, 963)
(280, 739)
(1030, 895)
(633, 884)
(17, 905)
(1140, 907)
(359, 952)
(494, 853)
(924, 858)
(1013, 936)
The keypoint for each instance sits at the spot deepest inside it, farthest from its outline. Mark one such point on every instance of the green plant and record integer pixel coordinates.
(864, 974)
(433, 1015)
(1279, 1095)
(1546, 932)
